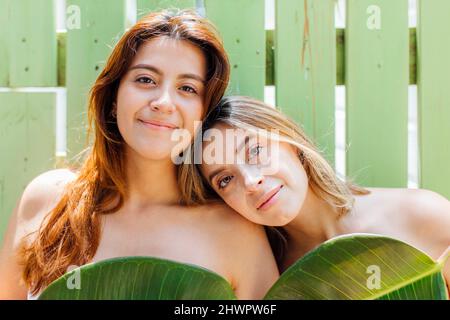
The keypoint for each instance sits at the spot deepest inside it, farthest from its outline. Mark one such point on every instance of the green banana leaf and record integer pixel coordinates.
(139, 278)
(362, 266)
(357, 266)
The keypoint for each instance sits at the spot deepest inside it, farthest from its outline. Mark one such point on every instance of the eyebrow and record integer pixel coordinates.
(159, 72)
(217, 171)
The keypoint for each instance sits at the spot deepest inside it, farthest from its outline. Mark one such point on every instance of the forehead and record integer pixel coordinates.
(224, 136)
(224, 145)
(220, 142)
(180, 54)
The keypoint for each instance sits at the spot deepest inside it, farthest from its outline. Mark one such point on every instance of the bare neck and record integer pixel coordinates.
(316, 222)
(150, 182)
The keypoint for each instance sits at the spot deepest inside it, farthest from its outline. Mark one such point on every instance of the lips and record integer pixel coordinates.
(159, 124)
(268, 196)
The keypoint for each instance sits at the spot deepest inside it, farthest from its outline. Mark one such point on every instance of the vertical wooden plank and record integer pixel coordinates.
(270, 58)
(241, 25)
(377, 79)
(102, 22)
(146, 6)
(305, 67)
(27, 144)
(4, 46)
(32, 44)
(61, 38)
(434, 95)
(340, 57)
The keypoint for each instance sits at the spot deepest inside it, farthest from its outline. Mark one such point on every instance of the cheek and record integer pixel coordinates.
(297, 177)
(191, 113)
(237, 203)
(297, 183)
(298, 188)
(128, 102)
(128, 95)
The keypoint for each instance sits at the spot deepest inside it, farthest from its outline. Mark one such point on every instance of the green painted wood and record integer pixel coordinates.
(32, 44)
(270, 58)
(434, 95)
(242, 29)
(412, 56)
(340, 56)
(27, 144)
(377, 93)
(102, 24)
(305, 67)
(62, 37)
(146, 6)
(4, 52)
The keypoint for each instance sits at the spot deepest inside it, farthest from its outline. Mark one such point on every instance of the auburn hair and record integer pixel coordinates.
(248, 113)
(70, 232)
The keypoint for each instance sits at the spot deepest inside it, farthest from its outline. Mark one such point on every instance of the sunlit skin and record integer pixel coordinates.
(243, 185)
(163, 91)
(165, 85)
(418, 217)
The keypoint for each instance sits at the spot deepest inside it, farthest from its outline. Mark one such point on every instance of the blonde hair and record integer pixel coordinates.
(245, 112)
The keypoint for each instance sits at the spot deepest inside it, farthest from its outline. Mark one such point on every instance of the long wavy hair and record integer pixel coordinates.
(248, 113)
(70, 232)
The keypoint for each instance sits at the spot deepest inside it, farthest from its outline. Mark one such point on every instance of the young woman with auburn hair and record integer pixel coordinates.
(161, 77)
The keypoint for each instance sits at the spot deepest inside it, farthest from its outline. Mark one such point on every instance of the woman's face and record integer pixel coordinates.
(160, 96)
(261, 179)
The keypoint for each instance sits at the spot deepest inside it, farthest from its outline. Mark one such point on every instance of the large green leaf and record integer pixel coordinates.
(337, 269)
(139, 278)
(346, 267)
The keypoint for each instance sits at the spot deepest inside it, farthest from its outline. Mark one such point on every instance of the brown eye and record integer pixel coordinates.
(188, 89)
(145, 80)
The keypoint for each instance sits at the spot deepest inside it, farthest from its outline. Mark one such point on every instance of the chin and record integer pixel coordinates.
(154, 154)
(275, 220)
(285, 218)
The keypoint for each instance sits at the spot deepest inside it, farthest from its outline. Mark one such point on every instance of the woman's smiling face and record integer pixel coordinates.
(261, 179)
(161, 93)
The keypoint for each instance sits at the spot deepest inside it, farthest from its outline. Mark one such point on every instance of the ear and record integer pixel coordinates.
(301, 155)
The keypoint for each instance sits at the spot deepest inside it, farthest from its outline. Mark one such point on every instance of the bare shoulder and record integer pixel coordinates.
(39, 196)
(43, 190)
(418, 204)
(244, 248)
(227, 220)
(427, 209)
(417, 214)
(26, 218)
(429, 214)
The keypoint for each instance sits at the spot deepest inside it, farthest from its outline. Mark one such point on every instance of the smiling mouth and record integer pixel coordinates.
(157, 124)
(270, 196)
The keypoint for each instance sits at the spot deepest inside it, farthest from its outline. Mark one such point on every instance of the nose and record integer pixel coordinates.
(253, 179)
(163, 103)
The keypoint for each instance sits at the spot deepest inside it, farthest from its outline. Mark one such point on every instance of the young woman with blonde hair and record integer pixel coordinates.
(279, 179)
(161, 77)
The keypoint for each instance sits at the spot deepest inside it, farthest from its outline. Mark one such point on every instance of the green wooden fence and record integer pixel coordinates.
(376, 56)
